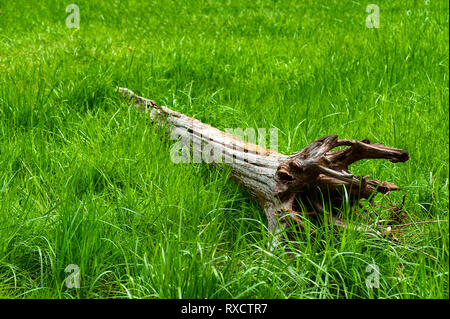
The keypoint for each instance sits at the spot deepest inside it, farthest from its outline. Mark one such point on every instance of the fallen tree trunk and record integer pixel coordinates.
(288, 187)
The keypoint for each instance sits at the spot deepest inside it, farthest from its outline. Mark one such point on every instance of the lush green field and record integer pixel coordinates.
(86, 180)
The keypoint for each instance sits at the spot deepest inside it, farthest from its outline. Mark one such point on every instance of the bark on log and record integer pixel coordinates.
(288, 187)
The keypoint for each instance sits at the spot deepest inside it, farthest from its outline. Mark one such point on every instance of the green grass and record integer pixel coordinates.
(86, 180)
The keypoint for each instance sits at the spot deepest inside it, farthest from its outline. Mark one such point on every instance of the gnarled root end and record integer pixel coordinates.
(316, 175)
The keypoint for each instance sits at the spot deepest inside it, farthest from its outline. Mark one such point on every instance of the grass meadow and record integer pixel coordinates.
(87, 180)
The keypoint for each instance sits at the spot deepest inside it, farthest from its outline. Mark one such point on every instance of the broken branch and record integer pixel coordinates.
(285, 186)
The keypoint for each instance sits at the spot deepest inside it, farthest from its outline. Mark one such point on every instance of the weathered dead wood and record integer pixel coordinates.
(289, 188)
